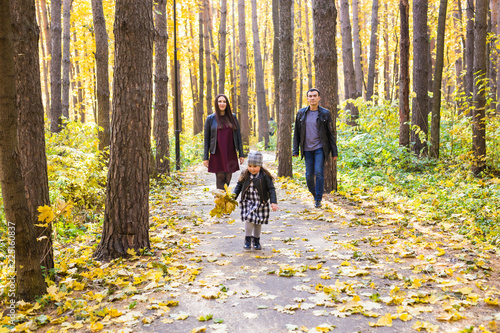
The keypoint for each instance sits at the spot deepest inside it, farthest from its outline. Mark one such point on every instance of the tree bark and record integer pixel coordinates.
(102, 75)
(285, 89)
(309, 49)
(325, 64)
(404, 81)
(208, 57)
(496, 9)
(235, 62)
(30, 130)
(66, 55)
(358, 68)
(438, 75)
(27, 276)
(276, 57)
(373, 52)
(222, 46)
(55, 67)
(46, 61)
(348, 63)
(192, 72)
(469, 55)
(244, 119)
(80, 111)
(457, 23)
(479, 107)
(198, 116)
(387, 80)
(126, 217)
(162, 158)
(259, 79)
(420, 105)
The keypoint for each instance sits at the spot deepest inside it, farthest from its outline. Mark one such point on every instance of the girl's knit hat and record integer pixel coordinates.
(255, 158)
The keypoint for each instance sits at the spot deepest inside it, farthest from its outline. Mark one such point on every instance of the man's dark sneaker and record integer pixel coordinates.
(248, 243)
(317, 204)
(256, 243)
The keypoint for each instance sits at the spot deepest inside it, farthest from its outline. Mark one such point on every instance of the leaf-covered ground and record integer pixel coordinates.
(352, 266)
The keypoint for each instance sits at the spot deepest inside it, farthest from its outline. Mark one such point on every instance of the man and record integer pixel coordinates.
(313, 134)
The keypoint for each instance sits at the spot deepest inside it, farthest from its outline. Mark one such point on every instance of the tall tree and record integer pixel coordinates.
(66, 55)
(192, 71)
(244, 119)
(404, 81)
(438, 75)
(259, 79)
(45, 52)
(198, 112)
(387, 80)
(479, 107)
(348, 63)
(285, 89)
(28, 274)
(457, 24)
(222, 45)
(102, 75)
(496, 9)
(325, 64)
(358, 67)
(208, 57)
(126, 217)
(276, 56)
(234, 89)
(30, 131)
(469, 53)
(373, 52)
(309, 50)
(420, 105)
(162, 158)
(55, 67)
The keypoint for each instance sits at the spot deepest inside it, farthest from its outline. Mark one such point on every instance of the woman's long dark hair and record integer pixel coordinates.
(227, 119)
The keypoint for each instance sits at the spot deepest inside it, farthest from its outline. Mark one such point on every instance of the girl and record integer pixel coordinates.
(222, 142)
(257, 189)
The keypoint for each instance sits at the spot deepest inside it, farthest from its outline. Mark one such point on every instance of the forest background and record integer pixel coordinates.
(233, 47)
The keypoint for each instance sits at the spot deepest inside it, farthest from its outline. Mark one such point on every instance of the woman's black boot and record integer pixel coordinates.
(256, 243)
(248, 243)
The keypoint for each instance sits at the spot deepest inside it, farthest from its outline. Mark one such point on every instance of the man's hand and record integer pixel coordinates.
(205, 163)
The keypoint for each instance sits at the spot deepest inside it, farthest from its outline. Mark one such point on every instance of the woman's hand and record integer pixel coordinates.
(205, 163)
(274, 207)
(242, 160)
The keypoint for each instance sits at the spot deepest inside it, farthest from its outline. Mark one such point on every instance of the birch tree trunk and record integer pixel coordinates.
(479, 107)
(325, 64)
(259, 79)
(373, 52)
(55, 67)
(222, 46)
(244, 119)
(404, 81)
(102, 74)
(285, 89)
(438, 75)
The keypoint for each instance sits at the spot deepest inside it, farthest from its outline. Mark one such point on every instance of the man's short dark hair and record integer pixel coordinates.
(313, 89)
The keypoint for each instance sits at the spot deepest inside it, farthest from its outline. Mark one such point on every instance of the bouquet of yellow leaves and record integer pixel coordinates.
(224, 202)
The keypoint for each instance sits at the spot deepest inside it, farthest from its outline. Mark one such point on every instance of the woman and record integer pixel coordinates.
(222, 142)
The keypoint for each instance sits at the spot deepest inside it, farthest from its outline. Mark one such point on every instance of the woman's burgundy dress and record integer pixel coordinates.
(225, 158)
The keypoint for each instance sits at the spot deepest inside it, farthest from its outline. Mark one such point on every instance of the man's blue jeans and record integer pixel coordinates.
(315, 166)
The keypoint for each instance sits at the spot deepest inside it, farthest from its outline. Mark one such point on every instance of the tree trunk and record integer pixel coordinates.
(81, 105)
(285, 89)
(276, 58)
(235, 62)
(46, 61)
(65, 60)
(420, 106)
(479, 112)
(222, 46)
(469, 55)
(259, 79)
(348, 63)
(30, 130)
(457, 23)
(496, 9)
(208, 57)
(373, 52)
(192, 72)
(438, 75)
(387, 80)
(55, 67)
(179, 92)
(309, 49)
(25, 274)
(101, 60)
(162, 158)
(404, 81)
(126, 217)
(198, 112)
(358, 68)
(244, 119)
(325, 64)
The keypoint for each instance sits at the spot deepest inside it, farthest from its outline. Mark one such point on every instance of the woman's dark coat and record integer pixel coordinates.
(211, 137)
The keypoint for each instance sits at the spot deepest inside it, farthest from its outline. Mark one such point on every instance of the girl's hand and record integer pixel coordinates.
(274, 207)
(205, 163)
(242, 160)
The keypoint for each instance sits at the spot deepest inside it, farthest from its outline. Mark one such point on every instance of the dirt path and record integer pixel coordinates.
(345, 267)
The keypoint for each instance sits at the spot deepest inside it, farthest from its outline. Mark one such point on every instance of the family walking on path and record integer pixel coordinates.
(313, 135)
